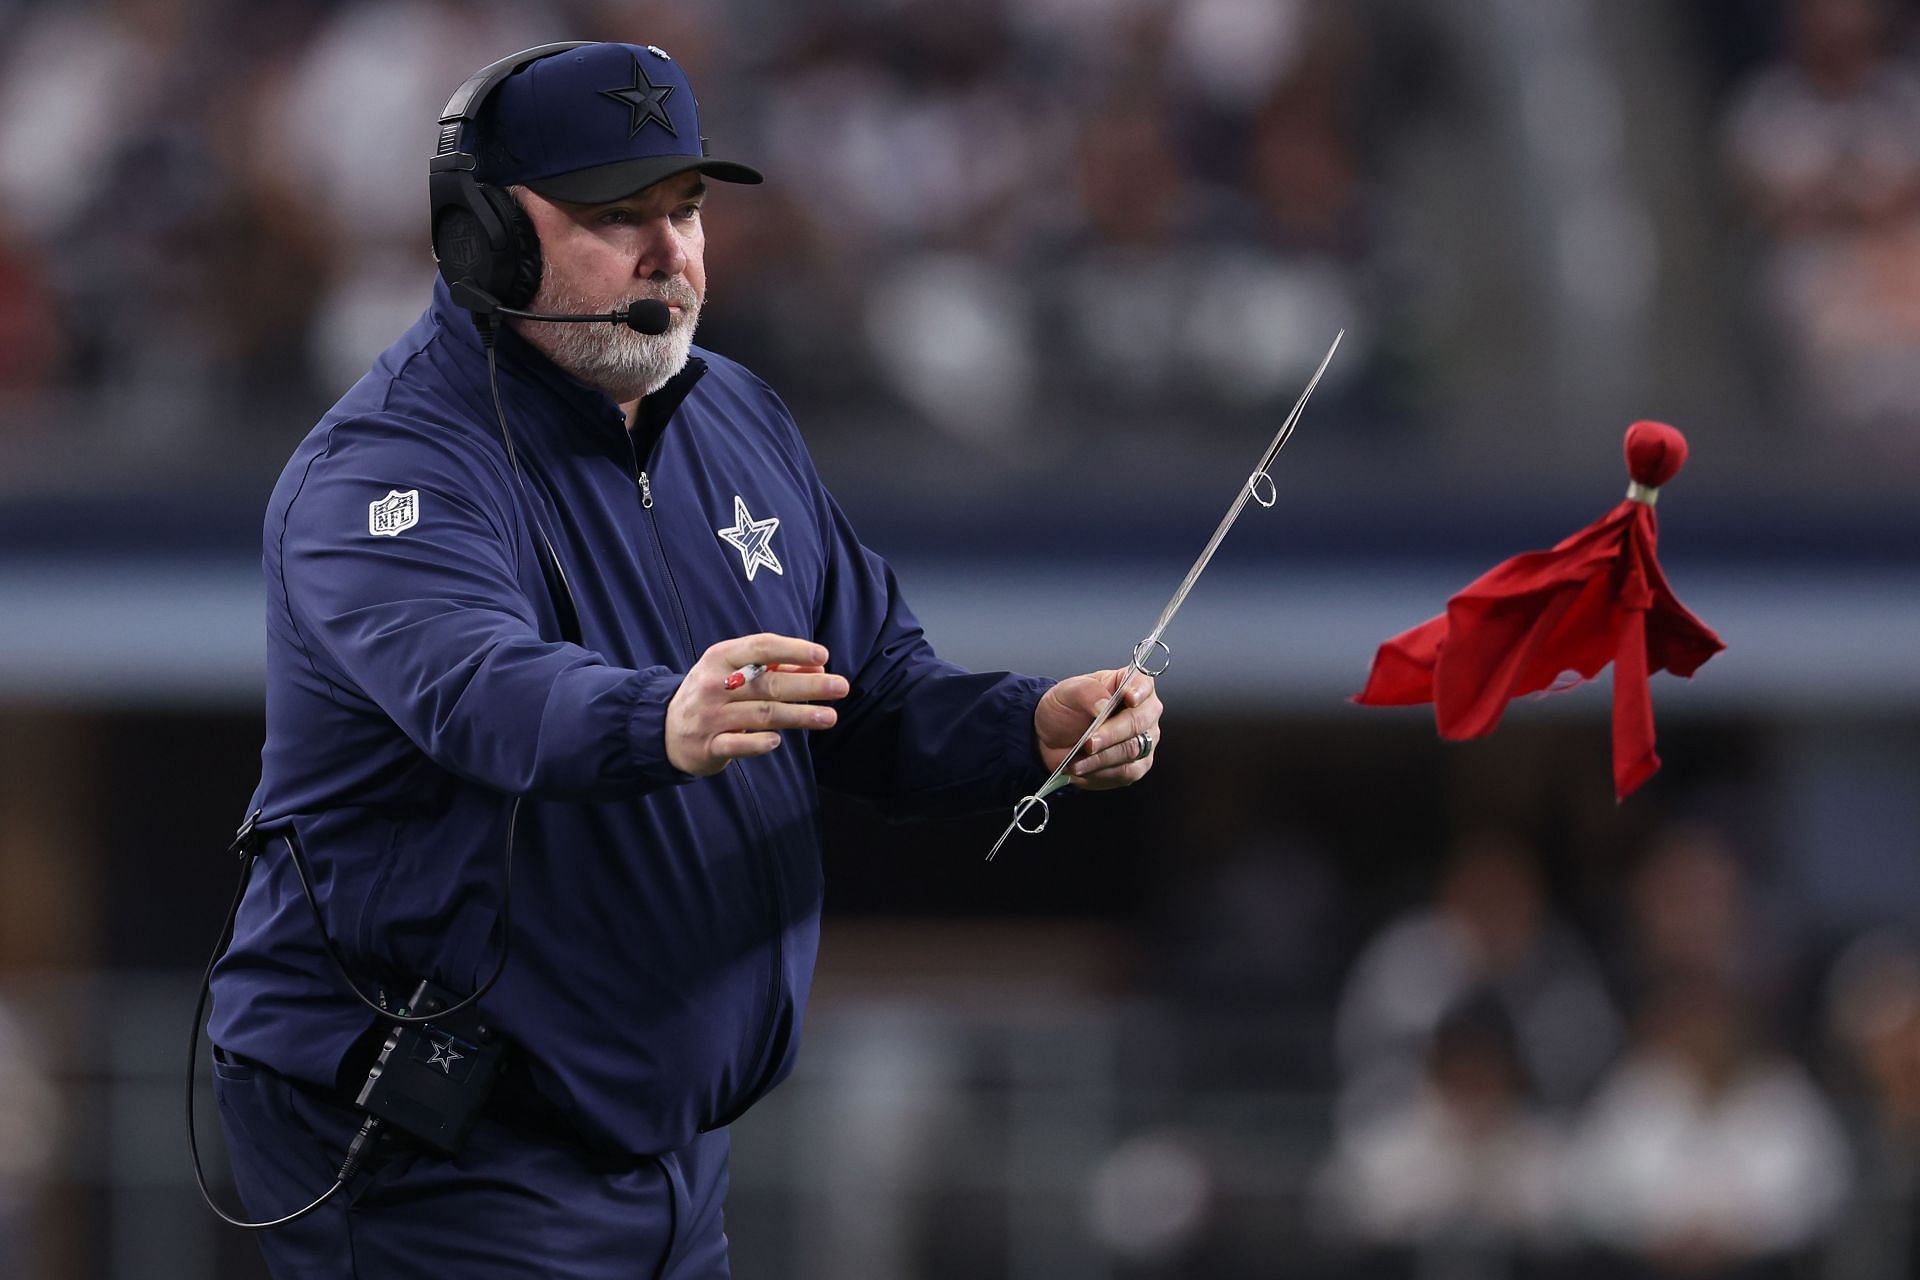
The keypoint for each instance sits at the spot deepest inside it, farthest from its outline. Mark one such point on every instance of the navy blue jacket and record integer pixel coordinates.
(663, 927)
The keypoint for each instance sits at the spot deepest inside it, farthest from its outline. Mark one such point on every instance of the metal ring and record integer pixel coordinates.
(1027, 805)
(1266, 496)
(1143, 743)
(1154, 650)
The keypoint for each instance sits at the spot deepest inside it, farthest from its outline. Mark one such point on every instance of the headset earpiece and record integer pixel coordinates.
(522, 266)
(482, 236)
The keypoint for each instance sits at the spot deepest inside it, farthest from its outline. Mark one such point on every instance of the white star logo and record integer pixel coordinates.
(443, 1056)
(754, 538)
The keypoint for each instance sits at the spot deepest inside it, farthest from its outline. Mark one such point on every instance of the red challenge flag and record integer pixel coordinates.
(1597, 597)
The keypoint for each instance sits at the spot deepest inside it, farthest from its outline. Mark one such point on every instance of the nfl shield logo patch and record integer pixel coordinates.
(394, 514)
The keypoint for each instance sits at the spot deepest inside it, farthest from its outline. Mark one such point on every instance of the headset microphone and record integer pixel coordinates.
(644, 315)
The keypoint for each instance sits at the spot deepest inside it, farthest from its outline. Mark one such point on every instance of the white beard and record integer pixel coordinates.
(623, 363)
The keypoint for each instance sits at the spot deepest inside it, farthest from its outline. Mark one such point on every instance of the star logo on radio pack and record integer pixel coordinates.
(443, 1056)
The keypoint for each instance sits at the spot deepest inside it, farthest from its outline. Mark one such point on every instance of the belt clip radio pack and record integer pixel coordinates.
(432, 1078)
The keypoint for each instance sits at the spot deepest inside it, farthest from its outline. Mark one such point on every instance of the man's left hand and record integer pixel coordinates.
(1113, 757)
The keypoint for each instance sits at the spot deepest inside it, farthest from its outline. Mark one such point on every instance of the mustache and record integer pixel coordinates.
(674, 292)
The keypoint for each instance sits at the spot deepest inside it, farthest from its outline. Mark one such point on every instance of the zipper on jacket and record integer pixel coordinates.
(659, 549)
(776, 892)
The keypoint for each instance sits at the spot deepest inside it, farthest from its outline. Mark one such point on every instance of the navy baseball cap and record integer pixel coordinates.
(596, 123)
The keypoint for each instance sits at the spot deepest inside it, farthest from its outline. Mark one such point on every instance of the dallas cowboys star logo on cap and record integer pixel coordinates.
(645, 100)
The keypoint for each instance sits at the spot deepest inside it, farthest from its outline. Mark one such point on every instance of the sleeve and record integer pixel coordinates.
(398, 569)
(918, 737)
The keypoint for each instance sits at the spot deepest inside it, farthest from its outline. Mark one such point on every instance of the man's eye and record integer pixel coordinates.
(687, 213)
(616, 217)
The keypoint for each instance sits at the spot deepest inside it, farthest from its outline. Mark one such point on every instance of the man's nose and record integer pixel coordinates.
(662, 254)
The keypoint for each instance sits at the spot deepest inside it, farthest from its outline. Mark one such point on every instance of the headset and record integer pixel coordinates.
(485, 245)
(482, 238)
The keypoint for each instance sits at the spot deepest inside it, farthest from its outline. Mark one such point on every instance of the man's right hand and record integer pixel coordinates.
(709, 725)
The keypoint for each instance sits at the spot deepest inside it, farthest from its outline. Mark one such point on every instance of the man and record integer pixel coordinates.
(425, 714)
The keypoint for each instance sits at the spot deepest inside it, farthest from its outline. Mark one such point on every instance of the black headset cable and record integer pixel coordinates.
(356, 1150)
(247, 844)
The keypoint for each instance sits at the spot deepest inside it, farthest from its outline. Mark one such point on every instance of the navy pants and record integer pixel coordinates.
(513, 1203)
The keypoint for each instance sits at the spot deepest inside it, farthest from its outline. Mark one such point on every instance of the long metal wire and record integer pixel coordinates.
(1142, 660)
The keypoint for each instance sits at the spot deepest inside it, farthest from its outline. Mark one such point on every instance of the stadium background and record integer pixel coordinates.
(1038, 277)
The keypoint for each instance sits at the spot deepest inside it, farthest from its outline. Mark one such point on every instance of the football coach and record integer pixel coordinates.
(564, 636)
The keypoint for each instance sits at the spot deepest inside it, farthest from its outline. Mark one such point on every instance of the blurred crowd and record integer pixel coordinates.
(1823, 144)
(212, 211)
(1667, 1073)
(1679, 1089)
(1006, 222)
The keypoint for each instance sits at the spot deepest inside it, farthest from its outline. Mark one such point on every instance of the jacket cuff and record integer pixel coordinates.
(653, 689)
(1022, 751)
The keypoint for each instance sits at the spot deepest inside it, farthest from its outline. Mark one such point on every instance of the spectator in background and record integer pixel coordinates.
(1304, 263)
(1873, 1024)
(1201, 266)
(28, 1111)
(341, 135)
(1825, 148)
(929, 147)
(96, 98)
(1489, 928)
(1141, 236)
(32, 345)
(1462, 1177)
(76, 80)
(1691, 915)
(1705, 1154)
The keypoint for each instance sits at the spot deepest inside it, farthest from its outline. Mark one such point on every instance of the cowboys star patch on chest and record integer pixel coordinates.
(753, 539)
